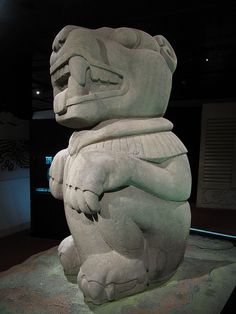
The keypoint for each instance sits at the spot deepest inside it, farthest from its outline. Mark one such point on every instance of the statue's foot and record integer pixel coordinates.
(69, 258)
(111, 276)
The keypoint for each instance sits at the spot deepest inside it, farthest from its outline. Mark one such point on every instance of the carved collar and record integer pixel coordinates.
(115, 129)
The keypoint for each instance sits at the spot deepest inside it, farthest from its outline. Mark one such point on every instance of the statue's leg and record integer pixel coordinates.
(87, 237)
(84, 241)
(100, 261)
(164, 225)
(67, 251)
(147, 236)
(121, 271)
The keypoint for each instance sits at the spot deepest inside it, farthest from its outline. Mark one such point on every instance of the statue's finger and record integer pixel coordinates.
(92, 201)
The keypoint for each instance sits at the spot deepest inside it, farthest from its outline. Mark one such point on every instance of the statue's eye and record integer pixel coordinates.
(127, 37)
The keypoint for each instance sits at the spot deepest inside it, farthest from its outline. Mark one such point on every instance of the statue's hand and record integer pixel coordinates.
(56, 174)
(93, 173)
(82, 201)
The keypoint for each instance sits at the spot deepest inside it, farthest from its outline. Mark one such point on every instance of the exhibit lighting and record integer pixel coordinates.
(48, 160)
(223, 235)
(42, 190)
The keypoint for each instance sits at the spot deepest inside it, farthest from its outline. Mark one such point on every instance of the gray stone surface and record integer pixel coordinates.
(124, 181)
(202, 284)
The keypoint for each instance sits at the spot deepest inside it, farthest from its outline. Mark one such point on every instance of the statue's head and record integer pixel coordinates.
(109, 73)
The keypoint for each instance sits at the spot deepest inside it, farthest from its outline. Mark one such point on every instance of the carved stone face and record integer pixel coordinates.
(109, 73)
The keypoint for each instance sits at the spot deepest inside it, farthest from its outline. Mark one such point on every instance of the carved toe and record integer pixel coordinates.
(93, 291)
(110, 276)
(69, 257)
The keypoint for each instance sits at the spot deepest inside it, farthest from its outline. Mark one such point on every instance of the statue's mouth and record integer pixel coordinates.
(76, 81)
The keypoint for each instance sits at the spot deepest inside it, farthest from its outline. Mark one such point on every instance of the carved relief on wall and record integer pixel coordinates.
(14, 154)
(14, 143)
(217, 163)
(218, 198)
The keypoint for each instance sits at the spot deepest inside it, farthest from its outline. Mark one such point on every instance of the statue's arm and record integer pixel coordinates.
(170, 180)
(92, 173)
(102, 172)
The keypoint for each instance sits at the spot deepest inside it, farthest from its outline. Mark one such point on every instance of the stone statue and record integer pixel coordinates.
(125, 177)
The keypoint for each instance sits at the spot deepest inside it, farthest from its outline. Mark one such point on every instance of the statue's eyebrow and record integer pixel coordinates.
(103, 51)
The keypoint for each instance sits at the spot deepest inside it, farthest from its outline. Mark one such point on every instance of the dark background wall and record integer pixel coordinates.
(197, 30)
(203, 35)
(187, 126)
(47, 213)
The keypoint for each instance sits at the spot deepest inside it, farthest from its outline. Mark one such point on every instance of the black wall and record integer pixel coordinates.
(187, 126)
(47, 213)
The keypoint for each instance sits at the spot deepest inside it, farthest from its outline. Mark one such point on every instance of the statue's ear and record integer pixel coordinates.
(167, 52)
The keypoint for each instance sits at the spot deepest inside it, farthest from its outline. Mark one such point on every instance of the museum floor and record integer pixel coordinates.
(20, 246)
(203, 283)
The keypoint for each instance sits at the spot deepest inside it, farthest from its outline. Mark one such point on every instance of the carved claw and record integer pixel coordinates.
(82, 201)
(92, 201)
